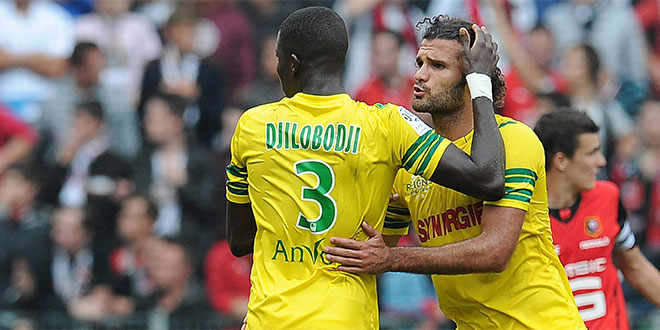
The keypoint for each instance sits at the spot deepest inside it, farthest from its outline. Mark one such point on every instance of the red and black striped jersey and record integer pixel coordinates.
(585, 236)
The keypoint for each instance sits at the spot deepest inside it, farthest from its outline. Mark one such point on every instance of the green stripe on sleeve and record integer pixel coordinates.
(506, 123)
(517, 198)
(519, 191)
(420, 151)
(520, 179)
(237, 171)
(414, 146)
(396, 225)
(429, 156)
(521, 171)
(237, 191)
(237, 185)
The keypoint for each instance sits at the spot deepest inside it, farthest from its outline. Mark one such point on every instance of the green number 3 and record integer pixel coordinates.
(319, 194)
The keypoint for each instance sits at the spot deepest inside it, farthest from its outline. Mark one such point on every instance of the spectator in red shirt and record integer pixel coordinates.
(228, 280)
(387, 84)
(16, 139)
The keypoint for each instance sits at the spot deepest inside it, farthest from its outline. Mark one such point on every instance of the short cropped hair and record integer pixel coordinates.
(559, 132)
(315, 34)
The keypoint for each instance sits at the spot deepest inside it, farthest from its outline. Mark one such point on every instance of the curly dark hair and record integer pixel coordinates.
(446, 28)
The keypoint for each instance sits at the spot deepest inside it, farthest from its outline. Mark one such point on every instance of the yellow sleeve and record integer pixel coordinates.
(237, 172)
(416, 147)
(525, 160)
(397, 217)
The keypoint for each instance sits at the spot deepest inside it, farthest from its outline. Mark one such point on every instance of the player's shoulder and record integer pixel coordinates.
(510, 125)
(266, 108)
(515, 132)
(377, 108)
(262, 112)
(396, 116)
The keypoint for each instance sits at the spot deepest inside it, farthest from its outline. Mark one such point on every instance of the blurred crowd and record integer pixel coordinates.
(116, 118)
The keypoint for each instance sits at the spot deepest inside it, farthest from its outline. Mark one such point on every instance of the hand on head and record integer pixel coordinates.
(482, 56)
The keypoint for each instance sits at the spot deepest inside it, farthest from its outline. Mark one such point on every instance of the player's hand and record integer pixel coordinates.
(368, 257)
(482, 57)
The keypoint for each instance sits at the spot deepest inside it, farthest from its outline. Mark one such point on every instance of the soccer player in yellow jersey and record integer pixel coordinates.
(317, 163)
(493, 262)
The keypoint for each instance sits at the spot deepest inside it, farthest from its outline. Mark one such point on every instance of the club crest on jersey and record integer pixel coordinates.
(593, 227)
(418, 186)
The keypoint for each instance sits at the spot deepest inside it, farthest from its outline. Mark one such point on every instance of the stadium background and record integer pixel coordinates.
(67, 177)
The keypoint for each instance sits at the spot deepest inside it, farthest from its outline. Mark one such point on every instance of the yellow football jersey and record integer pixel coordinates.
(533, 292)
(314, 167)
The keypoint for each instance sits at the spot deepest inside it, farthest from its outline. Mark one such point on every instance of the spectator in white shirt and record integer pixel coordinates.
(36, 38)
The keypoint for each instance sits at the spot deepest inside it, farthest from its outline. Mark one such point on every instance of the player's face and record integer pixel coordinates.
(586, 162)
(440, 86)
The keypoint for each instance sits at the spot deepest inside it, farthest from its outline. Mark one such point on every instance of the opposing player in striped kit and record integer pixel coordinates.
(590, 227)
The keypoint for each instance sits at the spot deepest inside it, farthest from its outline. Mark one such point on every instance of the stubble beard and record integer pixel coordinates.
(443, 102)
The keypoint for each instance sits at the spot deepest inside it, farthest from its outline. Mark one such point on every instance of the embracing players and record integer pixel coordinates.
(589, 224)
(493, 264)
(317, 163)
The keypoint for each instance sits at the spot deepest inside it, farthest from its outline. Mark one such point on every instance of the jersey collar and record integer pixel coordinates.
(320, 102)
(565, 215)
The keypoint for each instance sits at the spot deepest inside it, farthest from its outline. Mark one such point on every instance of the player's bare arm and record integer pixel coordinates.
(241, 228)
(480, 174)
(640, 273)
(488, 252)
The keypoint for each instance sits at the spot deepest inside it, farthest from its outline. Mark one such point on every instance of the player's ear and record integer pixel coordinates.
(295, 64)
(560, 161)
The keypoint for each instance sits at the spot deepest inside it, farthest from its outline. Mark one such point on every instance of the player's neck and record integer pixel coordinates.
(323, 85)
(454, 125)
(561, 193)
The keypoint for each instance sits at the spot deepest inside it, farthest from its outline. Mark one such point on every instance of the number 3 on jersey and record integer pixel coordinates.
(319, 194)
